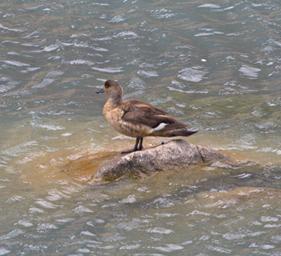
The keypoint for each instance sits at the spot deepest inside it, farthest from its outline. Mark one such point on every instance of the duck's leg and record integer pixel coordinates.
(140, 143)
(136, 147)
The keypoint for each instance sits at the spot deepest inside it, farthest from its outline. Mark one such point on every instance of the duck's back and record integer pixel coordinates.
(157, 121)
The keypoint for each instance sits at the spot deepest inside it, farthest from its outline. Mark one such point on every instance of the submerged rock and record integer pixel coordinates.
(175, 154)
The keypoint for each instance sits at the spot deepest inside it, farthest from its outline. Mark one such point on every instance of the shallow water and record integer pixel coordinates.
(213, 64)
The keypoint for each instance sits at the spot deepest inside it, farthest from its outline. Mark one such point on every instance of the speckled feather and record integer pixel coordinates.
(139, 119)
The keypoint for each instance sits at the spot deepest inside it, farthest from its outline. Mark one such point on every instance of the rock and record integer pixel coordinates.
(175, 154)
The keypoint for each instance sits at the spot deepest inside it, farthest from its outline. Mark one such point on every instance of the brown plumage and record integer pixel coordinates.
(139, 119)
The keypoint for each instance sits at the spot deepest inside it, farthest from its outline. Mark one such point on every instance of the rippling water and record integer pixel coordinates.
(214, 64)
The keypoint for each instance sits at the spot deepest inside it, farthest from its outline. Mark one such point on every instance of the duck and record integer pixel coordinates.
(139, 119)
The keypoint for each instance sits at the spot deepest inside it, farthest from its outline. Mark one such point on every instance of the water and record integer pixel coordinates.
(214, 64)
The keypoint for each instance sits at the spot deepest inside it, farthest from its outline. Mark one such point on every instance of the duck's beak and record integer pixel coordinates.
(99, 91)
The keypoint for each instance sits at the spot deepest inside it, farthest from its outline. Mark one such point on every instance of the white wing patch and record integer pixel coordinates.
(160, 127)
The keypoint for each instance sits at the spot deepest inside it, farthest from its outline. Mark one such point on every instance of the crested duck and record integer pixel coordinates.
(138, 119)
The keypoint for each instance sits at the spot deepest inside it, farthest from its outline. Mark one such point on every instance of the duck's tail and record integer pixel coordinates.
(172, 130)
(180, 132)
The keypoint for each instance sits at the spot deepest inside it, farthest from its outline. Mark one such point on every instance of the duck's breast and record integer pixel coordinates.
(114, 117)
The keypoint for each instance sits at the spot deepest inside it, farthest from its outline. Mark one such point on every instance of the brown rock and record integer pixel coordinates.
(176, 154)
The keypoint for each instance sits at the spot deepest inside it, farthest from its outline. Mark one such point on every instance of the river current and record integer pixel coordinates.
(214, 64)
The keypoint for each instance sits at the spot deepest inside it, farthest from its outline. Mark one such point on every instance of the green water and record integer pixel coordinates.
(215, 65)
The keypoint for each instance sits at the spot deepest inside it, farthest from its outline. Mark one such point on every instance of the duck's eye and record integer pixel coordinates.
(107, 85)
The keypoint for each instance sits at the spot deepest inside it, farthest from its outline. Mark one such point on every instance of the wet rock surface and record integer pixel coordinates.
(175, 154)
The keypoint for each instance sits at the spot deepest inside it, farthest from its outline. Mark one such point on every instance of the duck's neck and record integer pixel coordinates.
(114, 101)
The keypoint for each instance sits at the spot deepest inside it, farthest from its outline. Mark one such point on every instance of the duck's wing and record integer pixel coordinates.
(141, 113)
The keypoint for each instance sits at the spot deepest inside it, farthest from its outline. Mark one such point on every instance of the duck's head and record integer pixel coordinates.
(112, 90)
